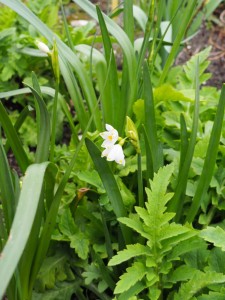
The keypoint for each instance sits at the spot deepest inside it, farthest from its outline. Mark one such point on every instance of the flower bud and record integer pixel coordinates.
(43, 47)
(55, 62)
(132, 134)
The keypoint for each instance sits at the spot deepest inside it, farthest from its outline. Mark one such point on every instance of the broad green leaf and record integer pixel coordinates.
(128, 253)
(215, 235)
(92, 178)
(66, 224)
(134, 274)
(182, 273)
(217, 260)
(52, 270)
(23, 220)
(166, 93)
(80, 243)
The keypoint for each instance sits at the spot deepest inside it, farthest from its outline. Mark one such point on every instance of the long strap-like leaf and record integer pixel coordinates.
(109, 183)
(210, 159)
(23, 220)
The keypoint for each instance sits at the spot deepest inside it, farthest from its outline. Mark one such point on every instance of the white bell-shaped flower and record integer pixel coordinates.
(114, 153)
(110, 136)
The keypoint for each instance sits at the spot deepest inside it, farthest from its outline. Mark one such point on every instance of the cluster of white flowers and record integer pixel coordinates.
(112, 151)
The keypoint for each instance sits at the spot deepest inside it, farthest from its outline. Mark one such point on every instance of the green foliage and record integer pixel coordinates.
(78, 220)
(154, 225)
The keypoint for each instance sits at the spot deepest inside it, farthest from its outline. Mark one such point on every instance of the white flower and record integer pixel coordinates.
(114, 153)
(110, 136)
(43, 47)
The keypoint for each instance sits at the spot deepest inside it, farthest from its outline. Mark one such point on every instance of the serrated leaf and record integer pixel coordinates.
(53, 269)
(129, 252)
(92, 273)
(135, 225)
(198, 282)
(167, 93)
(157, 197)
(66, 224)
(212, 296)
(134, 274)
(63, 291)
(80, 243)
(215, 235)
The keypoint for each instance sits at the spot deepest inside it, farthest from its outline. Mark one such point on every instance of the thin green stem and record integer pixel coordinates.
(140, 182)
(54, 122)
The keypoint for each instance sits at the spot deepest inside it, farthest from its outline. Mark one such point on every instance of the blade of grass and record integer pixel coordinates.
(111, 105)
(182, 28)
(129, 19)
(7, 189)
(110, 185)
(19, 122)
(176, 203)
(128, 50)
(13, 139)
(150, 123)
(210, 159)
(43, 123)
(22, 223)
(44, 90)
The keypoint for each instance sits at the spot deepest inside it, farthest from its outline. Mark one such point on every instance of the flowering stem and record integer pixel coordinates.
(54, 120)
(140, 182)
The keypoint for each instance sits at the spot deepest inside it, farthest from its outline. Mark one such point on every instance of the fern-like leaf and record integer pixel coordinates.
(134, 274)
(128, 253)
(199, 281)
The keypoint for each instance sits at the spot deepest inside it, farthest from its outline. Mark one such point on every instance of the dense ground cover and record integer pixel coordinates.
(118, 191)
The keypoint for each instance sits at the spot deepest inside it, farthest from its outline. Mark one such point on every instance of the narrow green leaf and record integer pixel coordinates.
(176, 203)
(7, 189)
(13, 139)
(126, 45)
(150, 123)
(43, 122)
(189, 9)
(19, 122)
(23, 220)
(210, 159)
(109, 182)
(112, 115)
